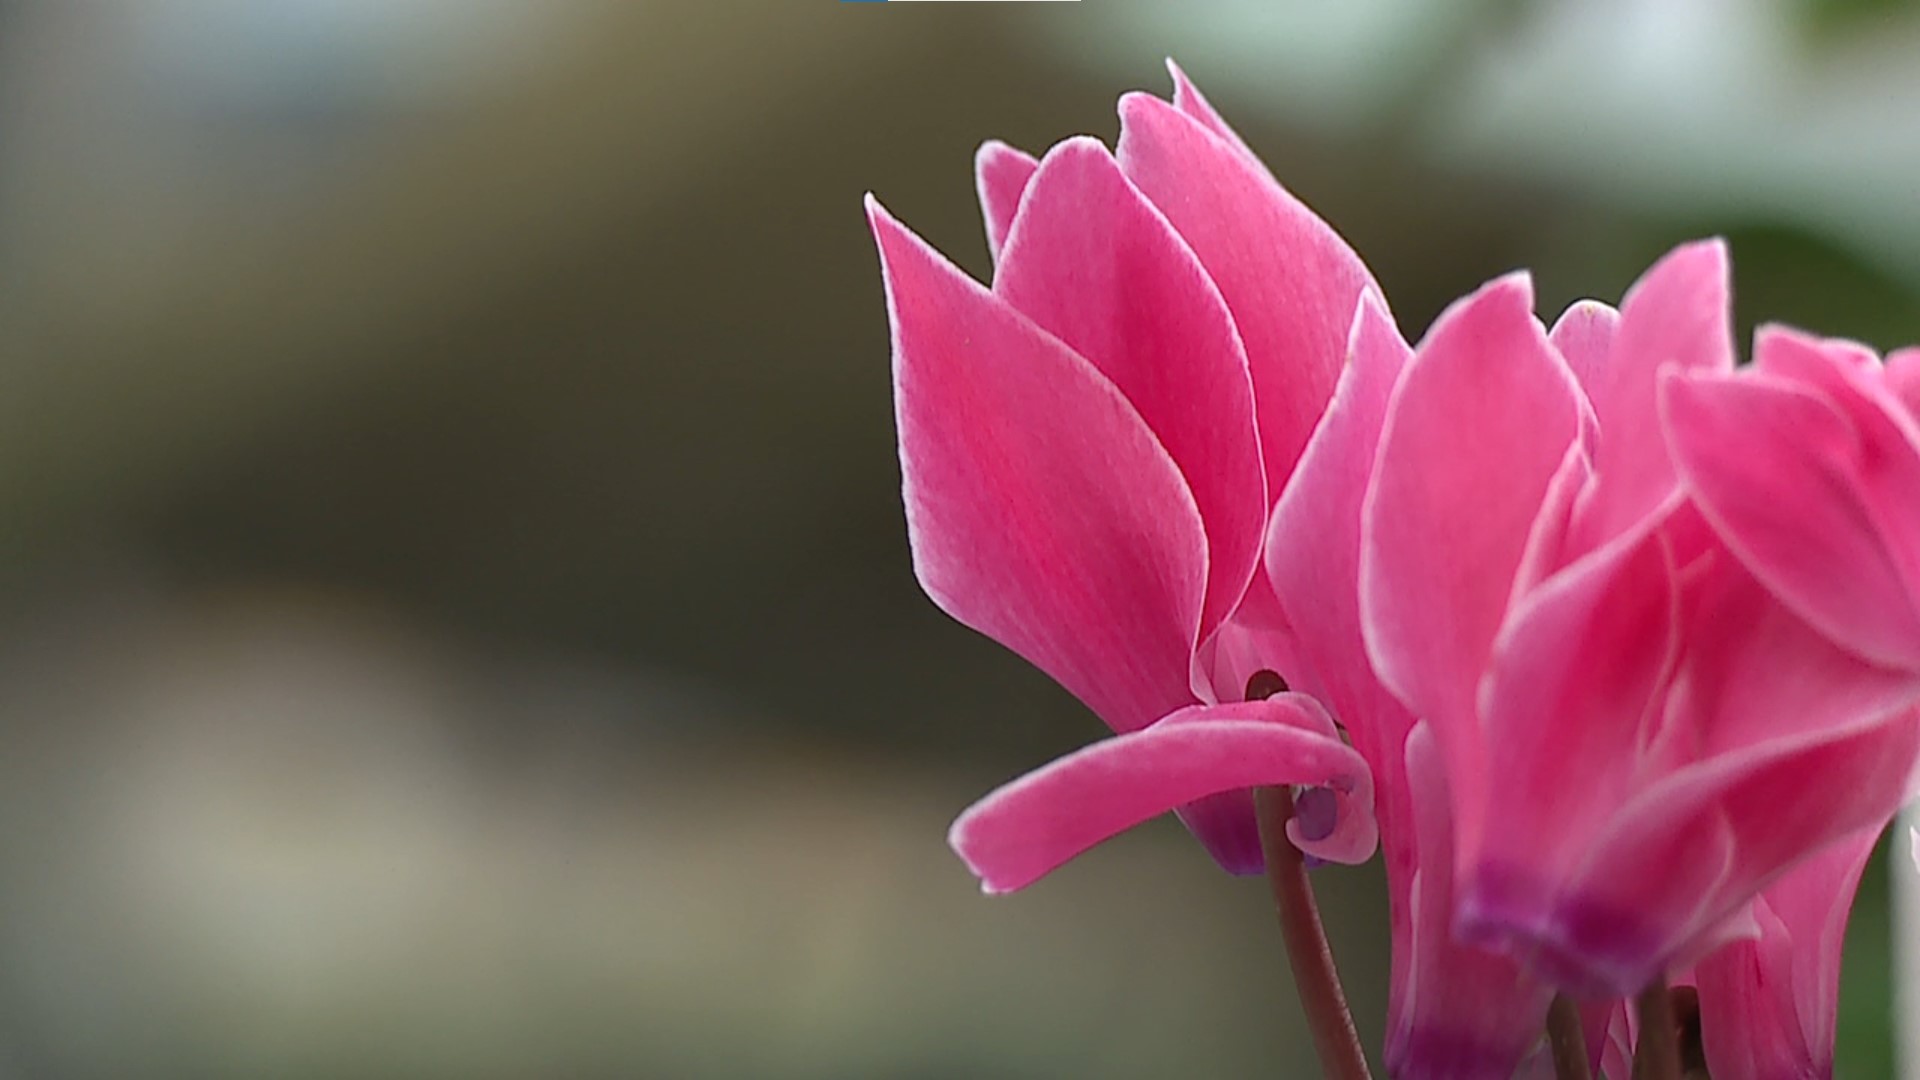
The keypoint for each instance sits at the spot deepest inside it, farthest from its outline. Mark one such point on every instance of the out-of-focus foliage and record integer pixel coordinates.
(1839, 18)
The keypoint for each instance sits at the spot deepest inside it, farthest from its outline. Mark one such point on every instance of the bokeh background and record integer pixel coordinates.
(456, 613)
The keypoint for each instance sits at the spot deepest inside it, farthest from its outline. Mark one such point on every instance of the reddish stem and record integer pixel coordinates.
(1325, 1004)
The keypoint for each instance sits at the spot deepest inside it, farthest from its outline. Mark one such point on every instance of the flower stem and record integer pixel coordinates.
(1656, 1052)
(1568, 1040)
(1325, 1004)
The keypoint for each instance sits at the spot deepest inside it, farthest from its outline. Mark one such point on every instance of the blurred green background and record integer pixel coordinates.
(457, 614)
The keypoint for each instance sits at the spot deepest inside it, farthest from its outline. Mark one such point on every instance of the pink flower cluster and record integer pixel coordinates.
(1611, 648)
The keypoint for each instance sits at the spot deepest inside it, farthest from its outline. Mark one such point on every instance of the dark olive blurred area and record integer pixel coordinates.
(457, 617)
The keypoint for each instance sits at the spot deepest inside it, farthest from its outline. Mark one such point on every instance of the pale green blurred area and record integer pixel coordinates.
(458, 620)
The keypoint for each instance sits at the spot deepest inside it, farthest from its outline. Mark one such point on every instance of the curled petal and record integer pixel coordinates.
(1041, 510)
(1021, 832)
(1289, 280)
(1094, 264)
(1000, 175)
(1821, 505)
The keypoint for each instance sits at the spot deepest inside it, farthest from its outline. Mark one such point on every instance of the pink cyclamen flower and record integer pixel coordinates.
(1453, 1010)
(1769, 1004)
(1089, 449)
(1639, 733)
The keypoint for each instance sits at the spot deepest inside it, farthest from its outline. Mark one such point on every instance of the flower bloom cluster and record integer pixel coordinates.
(1611, 648)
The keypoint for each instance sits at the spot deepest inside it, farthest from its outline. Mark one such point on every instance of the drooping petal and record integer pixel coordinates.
(1461, 1012)
(1019, 833)
(1584, 335)
(1769, 1006)
(1093, 263)
(1041, 510)
(1475, 433)
(1817, 506)
(1000, 175)
(1676, 316)
(1289, 280)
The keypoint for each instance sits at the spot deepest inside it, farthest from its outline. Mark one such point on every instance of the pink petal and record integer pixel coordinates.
(1461, 1012)
(1452, 1010)
(1041, 510)
(1832, 365)
(1604, 1023)
(1747, 1025)
(1584, 335)
(1683, 857)
(1549, 541)
(1852, 378)
(1475, 433)
(1312, 559)
(1574, 686)
(1021, 832)
(1289, 280)
(1242, 649)
(1755, 672)
(1616, 1052)
(1813, 901)
(1188, 99)
(1313, 539)
(1822, 506)
(1000, 174)
(1773, 742)
(1676, 315)
(1903, 378)
(1769, 1007)
(1227, 825)
(1093, 263)
(1850, 767)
